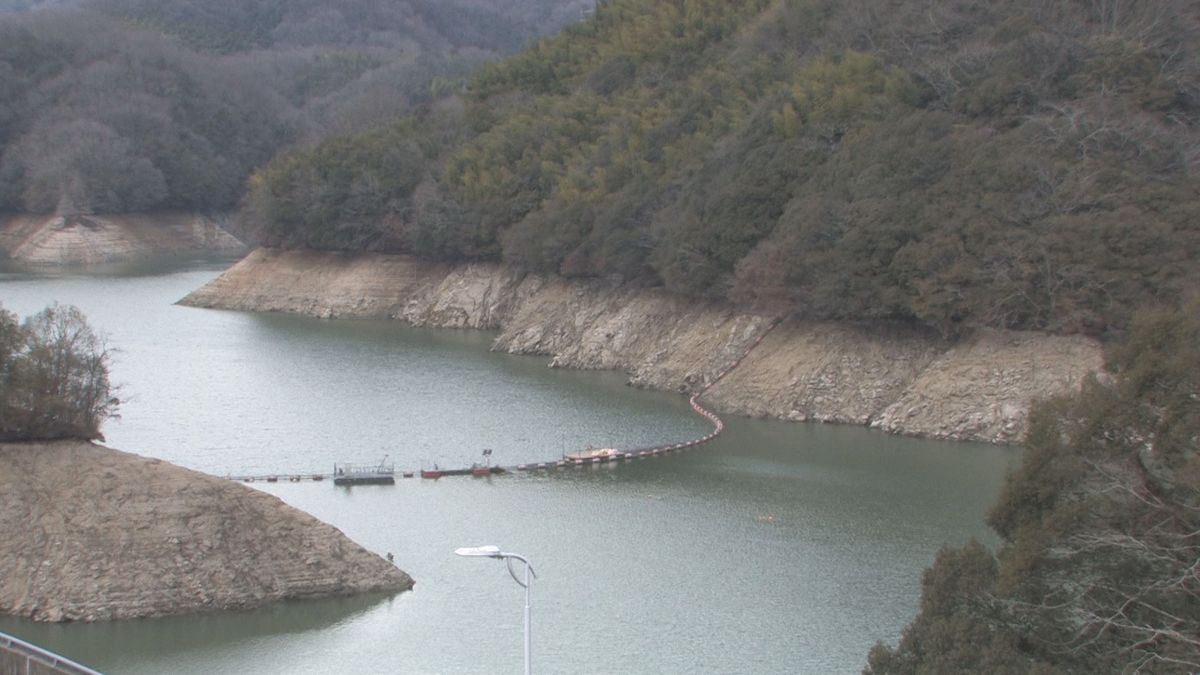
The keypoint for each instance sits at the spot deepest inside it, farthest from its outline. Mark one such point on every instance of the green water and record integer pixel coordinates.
(778, 548)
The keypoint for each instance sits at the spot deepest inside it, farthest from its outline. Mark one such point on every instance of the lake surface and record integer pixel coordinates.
(778, 548)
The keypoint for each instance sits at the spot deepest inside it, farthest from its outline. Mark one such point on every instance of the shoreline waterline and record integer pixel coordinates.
(676, 555)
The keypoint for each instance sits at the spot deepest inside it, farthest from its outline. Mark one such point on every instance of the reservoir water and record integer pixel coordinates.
(778, 548)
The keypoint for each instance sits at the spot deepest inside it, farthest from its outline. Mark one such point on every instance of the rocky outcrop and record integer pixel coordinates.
(896, 378)
(980, 388)
(89, 533)
(331, 285)
(906, 381)
(828, 372)
(88, 240)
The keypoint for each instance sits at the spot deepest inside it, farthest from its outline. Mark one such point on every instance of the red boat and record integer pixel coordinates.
(484, 469)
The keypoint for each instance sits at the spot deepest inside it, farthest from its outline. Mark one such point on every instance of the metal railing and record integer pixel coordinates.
(22, 658)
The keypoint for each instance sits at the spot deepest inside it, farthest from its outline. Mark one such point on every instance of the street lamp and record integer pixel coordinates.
(495, 552)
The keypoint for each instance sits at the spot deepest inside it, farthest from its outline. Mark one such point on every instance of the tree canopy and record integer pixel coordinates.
(53, 377)
(131, 105)
(1100, 527)
(1013, 164)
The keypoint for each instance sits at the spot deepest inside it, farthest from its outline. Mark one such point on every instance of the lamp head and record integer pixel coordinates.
(479, 551)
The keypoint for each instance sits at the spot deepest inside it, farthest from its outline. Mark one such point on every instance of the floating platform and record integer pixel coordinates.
(364, 474)
(364, 480)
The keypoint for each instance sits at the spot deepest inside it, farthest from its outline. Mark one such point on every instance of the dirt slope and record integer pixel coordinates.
(90, 533)
(88, 240)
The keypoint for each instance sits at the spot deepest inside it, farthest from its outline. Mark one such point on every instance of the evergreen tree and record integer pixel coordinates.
(1100, 523)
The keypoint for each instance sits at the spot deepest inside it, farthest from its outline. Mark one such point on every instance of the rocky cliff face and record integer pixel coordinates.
(898, 379)
(90, 533)
(88, 240)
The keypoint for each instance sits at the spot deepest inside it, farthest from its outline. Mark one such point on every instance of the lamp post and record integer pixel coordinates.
(495, 552)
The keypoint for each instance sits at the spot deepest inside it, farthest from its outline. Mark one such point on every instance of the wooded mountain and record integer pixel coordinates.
(131, 105)
(1011, 163)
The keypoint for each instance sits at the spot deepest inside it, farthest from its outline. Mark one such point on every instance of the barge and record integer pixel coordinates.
(364, 474)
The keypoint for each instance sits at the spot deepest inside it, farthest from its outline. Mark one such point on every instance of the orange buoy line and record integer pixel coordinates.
(642, 453)
(604, 458)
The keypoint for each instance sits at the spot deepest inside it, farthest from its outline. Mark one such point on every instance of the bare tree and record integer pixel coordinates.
(54, 382)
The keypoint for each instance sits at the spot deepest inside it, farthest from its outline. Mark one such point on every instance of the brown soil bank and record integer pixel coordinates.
(87, 240)
(90, 533)
(898, 379)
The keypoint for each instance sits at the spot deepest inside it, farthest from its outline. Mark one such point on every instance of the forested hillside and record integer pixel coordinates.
(1097, 572)
(1015, 164)
(131, 105)
(28, 5)
(242, 25)
(98, 117)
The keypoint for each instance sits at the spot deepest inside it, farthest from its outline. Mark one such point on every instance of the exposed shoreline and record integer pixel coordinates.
(52, 240)
(89, 533)
(898, 379)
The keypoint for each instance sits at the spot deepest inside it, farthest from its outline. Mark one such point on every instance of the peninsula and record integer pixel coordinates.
(89, 533)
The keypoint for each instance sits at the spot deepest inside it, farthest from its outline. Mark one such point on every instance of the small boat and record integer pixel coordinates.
(431, 473)
(591, 454)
